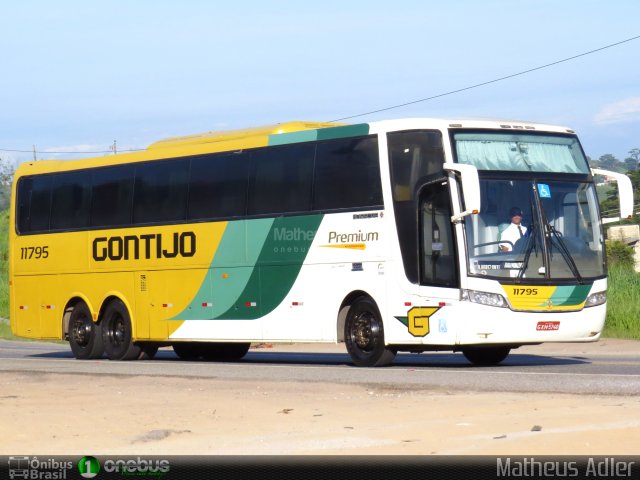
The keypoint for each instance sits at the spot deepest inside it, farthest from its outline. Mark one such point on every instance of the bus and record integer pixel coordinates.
(385, 236)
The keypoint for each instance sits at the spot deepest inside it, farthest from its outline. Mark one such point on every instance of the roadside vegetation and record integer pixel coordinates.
(623, 296)
(5, 330)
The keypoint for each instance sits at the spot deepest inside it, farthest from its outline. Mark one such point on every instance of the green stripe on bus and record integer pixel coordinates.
(278, 266)
(567, 295)
(330, 133)
(293, 137)
(230, 269)
(357, 130)
(255, 266)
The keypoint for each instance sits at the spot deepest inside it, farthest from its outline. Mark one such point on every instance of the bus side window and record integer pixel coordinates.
(71, 199)
(347, 174)
(160, 191)
(38, 205)
(112, 195)
(415, 157)
(280, 181)
(438, 249)
(24, 190)
(218, 186)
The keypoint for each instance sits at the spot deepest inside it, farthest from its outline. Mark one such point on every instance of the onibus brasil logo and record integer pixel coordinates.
(88, 466)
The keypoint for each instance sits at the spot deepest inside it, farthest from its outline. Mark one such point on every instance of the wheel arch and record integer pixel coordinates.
(66, 312)
(110, 297)
(344, 310)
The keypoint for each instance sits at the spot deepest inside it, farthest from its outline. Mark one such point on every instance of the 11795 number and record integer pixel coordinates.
(27, 253)
(525, 291)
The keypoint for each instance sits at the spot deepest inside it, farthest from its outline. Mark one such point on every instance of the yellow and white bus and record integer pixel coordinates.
(387, 236)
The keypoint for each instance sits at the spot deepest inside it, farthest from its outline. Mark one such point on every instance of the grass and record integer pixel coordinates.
(5, 330)
(623, 303)
(4, 264)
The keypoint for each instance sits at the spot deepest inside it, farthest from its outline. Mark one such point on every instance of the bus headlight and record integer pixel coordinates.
(596, 299)
(483, 298)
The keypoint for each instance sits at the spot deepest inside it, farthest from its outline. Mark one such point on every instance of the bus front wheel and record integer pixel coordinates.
(486, 355)
(225, 351)
(188, 350)
(85, 336)
(117, 333)
(364, 335)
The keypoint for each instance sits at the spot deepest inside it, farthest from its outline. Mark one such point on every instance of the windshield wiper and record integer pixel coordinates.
(531, 244)
(551, 237)
(564, 251)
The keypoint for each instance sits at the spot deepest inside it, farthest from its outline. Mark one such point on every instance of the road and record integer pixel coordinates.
(610, 367)
(305, 399)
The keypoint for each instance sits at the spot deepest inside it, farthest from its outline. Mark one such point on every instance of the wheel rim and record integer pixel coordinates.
(364, 331)
(81, 331)
(116, 331)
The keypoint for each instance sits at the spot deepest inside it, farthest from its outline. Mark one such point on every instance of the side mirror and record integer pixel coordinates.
(470, 188)
(625, 193)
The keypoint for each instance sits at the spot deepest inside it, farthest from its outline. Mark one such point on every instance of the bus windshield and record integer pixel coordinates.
(536, 231)
(523, 152)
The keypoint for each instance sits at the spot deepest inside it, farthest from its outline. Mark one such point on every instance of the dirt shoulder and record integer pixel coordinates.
(603, 347)
(78, 414)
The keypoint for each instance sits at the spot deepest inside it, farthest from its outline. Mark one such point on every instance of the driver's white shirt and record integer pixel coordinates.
(511, 234)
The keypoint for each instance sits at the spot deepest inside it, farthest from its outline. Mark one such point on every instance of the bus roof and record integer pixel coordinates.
(209, 142)
(226, 135)
(463, 122)
(231, 140)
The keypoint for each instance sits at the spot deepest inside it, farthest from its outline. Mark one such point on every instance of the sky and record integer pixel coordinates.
(78, 75)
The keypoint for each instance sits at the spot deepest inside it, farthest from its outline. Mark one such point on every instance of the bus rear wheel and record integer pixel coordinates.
(117, 333)
(364, 335)
(486, 355)
(85, 336)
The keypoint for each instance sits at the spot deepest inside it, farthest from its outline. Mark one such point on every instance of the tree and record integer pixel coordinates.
(632, 160)
(6, 179)
(631, 163)
(609, 162)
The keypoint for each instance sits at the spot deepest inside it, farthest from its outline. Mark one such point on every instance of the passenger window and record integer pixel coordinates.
(112, 194)
(24, 188)
(218, 186)
(281, 179)
(71, 200)
(160, 192)
(347, 174)
(34, 199)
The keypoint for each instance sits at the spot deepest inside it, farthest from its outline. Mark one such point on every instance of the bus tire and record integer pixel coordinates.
(188, 350)
(148, 351)
(229, 352)
(364, 335)
(117, 332)
(486, 355)
(85, 336)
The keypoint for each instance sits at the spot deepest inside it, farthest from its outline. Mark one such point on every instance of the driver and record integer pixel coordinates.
(514, 232)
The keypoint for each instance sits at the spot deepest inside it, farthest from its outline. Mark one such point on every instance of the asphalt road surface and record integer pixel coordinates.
(609, 367)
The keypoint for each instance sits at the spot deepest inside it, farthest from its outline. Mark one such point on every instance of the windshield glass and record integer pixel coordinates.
(536, 231)
(523, 152)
